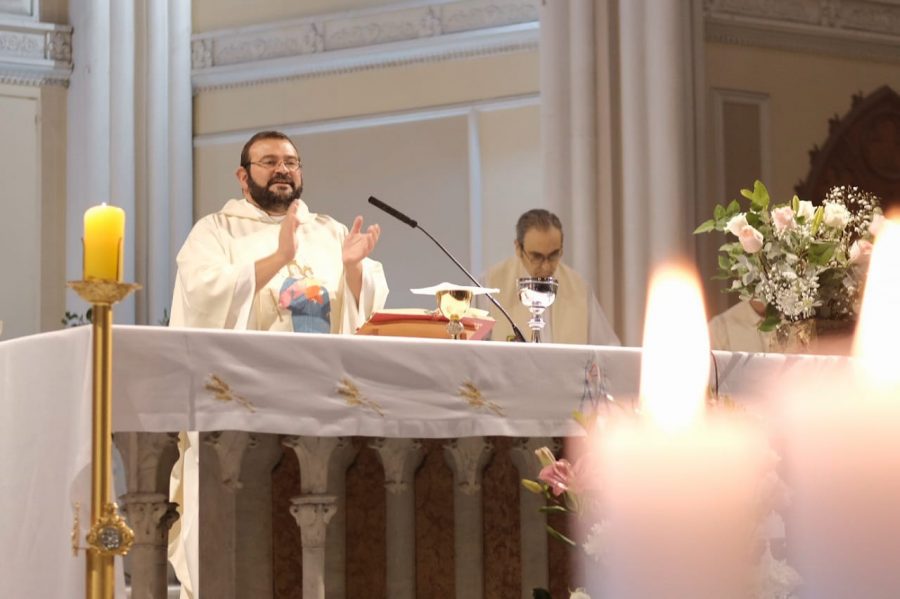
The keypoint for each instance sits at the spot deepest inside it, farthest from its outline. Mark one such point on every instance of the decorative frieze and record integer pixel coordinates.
(358, 40)
(865, 29)
(34, 53)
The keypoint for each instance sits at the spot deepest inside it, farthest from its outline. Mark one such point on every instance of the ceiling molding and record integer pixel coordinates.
(35, 53)
(864, 29)
(365, 39)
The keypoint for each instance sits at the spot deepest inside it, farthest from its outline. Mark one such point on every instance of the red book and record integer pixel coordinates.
(413, 322)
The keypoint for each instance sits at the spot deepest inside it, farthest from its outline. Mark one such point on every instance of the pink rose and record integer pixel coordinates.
(783, 218)
(751, 239)
(860, 250)
(558, 476)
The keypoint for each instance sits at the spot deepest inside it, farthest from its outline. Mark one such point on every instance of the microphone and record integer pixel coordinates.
(415, 225)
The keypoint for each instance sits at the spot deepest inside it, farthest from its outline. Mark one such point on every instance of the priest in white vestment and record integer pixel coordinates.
(575, 316)
(265, 262)
(736, 329)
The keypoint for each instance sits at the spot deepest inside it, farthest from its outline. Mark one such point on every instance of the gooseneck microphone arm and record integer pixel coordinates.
(415, 225)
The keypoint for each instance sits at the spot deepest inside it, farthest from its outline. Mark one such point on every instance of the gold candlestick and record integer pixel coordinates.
(109, 534)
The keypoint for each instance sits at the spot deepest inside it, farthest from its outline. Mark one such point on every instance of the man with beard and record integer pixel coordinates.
(242, 267)
(265, 262)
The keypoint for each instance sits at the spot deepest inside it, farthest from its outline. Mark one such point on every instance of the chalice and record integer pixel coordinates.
(537, 294)
(453, 304)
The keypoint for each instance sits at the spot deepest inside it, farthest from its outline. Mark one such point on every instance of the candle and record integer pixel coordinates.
(844, 451)
(680, 485)
(104, 236)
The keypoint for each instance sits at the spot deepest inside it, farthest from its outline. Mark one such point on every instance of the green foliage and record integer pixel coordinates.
(73, 319)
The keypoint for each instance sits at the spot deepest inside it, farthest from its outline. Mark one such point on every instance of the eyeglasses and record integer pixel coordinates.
(536, 259)
(291, 164)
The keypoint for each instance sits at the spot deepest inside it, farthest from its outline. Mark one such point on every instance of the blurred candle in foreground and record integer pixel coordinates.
(104, 237)
(844, 450)
(681, 486)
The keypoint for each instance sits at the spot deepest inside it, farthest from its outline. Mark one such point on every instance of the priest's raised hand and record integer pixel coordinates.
(358, 245)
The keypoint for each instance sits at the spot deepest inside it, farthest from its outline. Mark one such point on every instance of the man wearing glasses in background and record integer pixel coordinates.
(575, 316)
(265, 262)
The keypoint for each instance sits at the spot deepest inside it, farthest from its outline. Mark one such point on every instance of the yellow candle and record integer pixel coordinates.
(104, 237)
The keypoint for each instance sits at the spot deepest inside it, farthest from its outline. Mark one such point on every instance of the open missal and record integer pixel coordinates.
(414, 322)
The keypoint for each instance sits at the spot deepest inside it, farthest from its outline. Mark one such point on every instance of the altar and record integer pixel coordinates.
(347, 411)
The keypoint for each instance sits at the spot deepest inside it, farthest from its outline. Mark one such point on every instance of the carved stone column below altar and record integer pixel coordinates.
(148, 460)
(312, 513)
(533, 523)
(316, 505)
(149, 515)
(336, 535)
(400, 459)
(467, 457)
(253, 512)
(221, 456)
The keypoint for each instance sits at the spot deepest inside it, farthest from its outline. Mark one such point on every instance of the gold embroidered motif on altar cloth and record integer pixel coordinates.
(473, 396)
(354, 397)
(223, 392)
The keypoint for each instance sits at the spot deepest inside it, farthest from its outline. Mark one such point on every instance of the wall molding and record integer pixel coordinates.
(398, 34)
(422, 31)
(464, 109)
(35, 53)
(863, 29)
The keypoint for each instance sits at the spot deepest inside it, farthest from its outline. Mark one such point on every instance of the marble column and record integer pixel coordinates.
(253, 518)
(532, 522)
(148, 460)
(221, 457)
(467, 457)
(400, 459)
(658, 71)
(336, 534)
(314, 508)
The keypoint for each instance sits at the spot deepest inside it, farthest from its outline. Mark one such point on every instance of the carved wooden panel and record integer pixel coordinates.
(862, 149)
(366, 525)
(287, 548)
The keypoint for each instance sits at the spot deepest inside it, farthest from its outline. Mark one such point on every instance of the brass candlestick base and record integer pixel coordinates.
(103, 291)
(109, 534)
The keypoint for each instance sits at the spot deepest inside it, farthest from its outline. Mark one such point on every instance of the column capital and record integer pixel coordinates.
(150, 516)
(312, 514)
(467, 457)
(400, 458)
(314, 455)
(230, 447)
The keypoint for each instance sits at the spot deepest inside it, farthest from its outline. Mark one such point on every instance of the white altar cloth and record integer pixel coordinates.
(277, 383)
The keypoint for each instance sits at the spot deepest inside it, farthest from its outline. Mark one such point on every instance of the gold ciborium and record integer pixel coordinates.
(453, 304)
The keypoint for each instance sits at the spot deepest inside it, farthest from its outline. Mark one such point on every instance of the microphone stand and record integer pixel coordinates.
(415, 225)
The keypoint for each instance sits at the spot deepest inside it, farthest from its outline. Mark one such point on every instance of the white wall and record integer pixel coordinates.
(20, 203)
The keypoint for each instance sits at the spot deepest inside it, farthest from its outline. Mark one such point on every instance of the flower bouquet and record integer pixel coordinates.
(801, 261)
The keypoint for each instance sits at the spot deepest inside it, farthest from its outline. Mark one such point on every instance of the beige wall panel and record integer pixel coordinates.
(805, 91)
(510, 175)
(20, 229)
(420, 168)
(366, 92)
(214, 178)
(221, 14)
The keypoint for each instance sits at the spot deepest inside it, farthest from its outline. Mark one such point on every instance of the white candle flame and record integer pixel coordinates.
(675, 360)
(879, 324)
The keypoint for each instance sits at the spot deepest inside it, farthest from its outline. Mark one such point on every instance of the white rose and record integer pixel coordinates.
(783, 218)
(751, 239)
(806, 210)
(836, 215)
(736, 223)
(579, 594)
